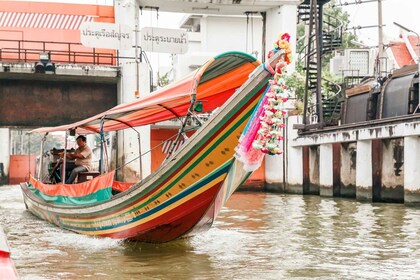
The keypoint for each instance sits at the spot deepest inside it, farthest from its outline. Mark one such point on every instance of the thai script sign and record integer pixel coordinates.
(106, 35)
(164, 40)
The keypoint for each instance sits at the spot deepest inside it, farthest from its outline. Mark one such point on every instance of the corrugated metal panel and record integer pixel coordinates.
(396, 96)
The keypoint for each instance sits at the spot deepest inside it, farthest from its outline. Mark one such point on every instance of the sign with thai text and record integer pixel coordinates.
(106, 35)
(164, 40)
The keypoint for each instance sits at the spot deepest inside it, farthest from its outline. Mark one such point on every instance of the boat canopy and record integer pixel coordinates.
(213, 83)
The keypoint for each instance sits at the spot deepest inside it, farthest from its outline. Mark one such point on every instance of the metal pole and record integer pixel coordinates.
(136, 36)
(41, 159)
(63, 170)
(264, 35)
(380, 38)
(308, 60)
(140, 160)
(101, 133)
(318, 47)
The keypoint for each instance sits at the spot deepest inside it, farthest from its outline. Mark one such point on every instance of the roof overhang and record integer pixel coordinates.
(221, 7)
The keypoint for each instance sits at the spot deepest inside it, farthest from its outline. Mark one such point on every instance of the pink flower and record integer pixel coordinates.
(285, 36)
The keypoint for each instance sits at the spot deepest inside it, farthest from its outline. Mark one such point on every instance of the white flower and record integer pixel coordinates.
(256, 145)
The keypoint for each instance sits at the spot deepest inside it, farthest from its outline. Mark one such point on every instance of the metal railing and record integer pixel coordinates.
(60, 52)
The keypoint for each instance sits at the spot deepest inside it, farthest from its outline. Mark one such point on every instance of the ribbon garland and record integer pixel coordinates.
(263, 133)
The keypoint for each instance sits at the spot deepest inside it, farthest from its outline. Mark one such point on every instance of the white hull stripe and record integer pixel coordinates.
(167, 146)
(46, 21)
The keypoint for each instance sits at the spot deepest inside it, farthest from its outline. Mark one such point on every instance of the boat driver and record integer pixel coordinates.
(82, 159)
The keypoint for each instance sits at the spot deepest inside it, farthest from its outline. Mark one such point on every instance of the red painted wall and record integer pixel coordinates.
(19, 168)
(48, 22)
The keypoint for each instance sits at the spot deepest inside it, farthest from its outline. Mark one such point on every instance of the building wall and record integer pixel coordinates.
(230, 33)
(48, 22)
(216, 35)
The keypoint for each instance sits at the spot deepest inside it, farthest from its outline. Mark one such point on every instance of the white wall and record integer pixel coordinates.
(127, 13)
(282, 20)
(5, 148)
(218, 34)
(230, 34)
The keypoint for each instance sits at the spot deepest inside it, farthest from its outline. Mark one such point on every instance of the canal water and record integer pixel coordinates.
(257, 236)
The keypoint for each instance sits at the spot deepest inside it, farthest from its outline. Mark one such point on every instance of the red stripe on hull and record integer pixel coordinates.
(208, 218)
(174, 223)
(7, 268)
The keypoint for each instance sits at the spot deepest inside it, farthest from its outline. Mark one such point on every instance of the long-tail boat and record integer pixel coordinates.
(186, 193)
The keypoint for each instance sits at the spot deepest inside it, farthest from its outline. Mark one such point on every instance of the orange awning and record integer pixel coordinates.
(213, 83)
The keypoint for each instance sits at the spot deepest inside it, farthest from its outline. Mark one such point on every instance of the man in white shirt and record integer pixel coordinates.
(82, 159)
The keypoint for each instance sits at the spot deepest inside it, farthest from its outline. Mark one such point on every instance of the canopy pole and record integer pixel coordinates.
(101, 134)
(181, 131)
(63, 167)
(140, 159)
(41, 156)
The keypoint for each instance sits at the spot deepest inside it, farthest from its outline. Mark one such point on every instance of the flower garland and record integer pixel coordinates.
(263, 133)
(269, 136)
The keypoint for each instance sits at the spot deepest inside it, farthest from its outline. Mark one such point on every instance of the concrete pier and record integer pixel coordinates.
(326, 170)
(364, 170)
(374, 162)
(392, 173)
(347, 170)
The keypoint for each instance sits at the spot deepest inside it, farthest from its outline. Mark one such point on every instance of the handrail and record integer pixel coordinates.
(64, 52)
(332, 28)
(336, 94)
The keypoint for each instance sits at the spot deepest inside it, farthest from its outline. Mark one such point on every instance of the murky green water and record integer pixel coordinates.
(257, 236)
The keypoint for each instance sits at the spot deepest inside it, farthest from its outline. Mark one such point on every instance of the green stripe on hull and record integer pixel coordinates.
(101, 195)
(190, 191)
(217, 127)
(204, 155)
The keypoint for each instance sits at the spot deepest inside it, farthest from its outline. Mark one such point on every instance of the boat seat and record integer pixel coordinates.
(86, 176)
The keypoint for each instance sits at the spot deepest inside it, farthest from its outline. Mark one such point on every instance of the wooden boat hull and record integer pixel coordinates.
(180, 198)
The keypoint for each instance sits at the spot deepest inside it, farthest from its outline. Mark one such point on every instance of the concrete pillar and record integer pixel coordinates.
(412, 170)
(392, 180)
(282, 20)
(293, 156)
(134, 83)
(348, 170)
(274, 167)
(274, 173)
(364, 170)
(4, 154)
(326, 170)
(313, 170)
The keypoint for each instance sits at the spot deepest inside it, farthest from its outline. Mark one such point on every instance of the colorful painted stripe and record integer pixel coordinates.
(98, 196)
(185, 196)
(196, 161)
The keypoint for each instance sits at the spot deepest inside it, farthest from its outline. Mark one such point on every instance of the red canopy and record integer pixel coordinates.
(213, 83)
